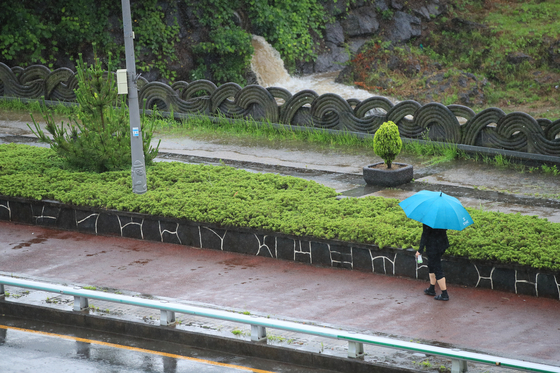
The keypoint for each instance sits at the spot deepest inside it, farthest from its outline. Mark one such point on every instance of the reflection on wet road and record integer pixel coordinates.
(29, 350)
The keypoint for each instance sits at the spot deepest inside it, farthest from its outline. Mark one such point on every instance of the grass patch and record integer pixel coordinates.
(219, 127)
(230, 197)
(34, 107)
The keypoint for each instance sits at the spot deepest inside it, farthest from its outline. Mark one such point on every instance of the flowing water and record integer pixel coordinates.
(270, 71)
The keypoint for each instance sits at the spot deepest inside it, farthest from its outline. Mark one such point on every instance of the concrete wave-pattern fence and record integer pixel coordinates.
(491, 128)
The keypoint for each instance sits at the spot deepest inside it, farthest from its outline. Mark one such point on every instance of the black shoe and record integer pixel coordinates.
(441, 297)
(429, 291)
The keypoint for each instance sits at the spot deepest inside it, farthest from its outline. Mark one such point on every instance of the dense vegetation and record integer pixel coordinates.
(55, 31)
(231, 197)
(285, 24)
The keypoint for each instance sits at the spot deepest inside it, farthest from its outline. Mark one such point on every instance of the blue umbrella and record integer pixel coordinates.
(437, 210)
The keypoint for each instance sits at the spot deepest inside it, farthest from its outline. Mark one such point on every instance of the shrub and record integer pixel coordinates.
(387, 142)
(98, 139)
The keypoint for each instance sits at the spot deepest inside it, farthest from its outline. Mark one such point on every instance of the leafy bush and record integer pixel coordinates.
(43, 32)
(287, 25)
(34, 32)
(99, 138)
(156, 38)
(232, 47)
(387, 142)
(229, 197)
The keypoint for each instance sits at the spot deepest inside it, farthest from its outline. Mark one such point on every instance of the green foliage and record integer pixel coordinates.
(228, 53)
(237, 198)
(34, 32)
(550, 169)
(232, 50)
(39, 32)
(509, 46)
(506, 28)
(155, 38)
(206, 126)
(387, 142)
(99, 138)
(35, 106)
(387, 14)
(287, 25)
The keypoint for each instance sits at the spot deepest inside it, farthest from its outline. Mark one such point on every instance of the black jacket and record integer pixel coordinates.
(434, 240)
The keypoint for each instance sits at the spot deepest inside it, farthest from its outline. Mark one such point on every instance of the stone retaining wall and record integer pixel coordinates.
(309, 250)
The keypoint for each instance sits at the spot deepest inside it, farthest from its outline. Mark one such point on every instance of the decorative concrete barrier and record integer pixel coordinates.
(490, 128)
(309, 250)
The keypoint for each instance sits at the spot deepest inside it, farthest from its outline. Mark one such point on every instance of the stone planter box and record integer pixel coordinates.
(309, 250)
(398, 174)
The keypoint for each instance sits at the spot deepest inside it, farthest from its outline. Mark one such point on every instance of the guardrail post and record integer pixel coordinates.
(258, 333)
(80, 303)
(2, 293)
(166, 318)
(458, 366)
(355, 350)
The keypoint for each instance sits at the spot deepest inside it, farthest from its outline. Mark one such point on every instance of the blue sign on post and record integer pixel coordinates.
(135, 131)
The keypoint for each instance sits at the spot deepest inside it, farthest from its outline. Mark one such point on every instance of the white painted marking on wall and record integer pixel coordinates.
(485, 278)
(385, 259)
(7, 207)
(220, 237)
(141, 225)
(161, 232)
(43, 216)
(78, 222)
(262, 244)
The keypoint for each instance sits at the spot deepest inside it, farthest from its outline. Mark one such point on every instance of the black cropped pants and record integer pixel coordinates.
(434, 264)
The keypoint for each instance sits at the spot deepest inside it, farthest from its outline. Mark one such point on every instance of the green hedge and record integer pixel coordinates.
(230, 197)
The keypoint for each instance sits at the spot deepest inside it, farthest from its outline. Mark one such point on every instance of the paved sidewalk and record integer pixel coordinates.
(493, 322)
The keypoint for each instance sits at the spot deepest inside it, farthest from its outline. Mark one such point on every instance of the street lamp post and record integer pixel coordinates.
(139, 183)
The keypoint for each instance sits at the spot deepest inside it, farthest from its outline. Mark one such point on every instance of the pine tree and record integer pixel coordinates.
(98, 138)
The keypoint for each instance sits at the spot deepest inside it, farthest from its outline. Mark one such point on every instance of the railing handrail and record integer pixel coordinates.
(350, 337)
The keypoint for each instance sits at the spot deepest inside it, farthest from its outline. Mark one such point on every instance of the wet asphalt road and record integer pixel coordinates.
(30, 347)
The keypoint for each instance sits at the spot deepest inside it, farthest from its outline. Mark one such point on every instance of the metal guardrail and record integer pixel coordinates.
(355, 341)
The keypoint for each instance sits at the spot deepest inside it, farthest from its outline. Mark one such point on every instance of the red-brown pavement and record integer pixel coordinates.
(499, 323)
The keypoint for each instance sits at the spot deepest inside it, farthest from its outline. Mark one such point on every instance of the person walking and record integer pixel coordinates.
(435, 242)
(438, 212)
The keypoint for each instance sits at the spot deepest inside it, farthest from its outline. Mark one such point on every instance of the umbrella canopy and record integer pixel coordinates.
(437, 210)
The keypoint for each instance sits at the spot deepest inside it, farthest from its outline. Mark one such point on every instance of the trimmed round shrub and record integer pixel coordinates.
(387, 142)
